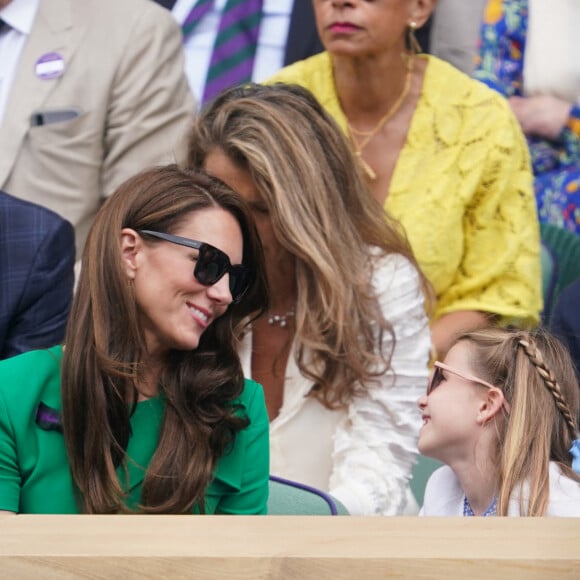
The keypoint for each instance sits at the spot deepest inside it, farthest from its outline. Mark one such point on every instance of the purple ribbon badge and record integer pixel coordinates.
(49, 66)
(47, 418)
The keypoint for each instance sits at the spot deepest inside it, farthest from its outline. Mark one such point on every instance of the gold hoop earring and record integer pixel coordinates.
(412, 43)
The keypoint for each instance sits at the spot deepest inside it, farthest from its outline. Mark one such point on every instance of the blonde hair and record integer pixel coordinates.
(323, 213)
(536, 374)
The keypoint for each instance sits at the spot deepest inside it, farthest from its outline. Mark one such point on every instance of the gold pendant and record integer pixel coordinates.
(369, 172)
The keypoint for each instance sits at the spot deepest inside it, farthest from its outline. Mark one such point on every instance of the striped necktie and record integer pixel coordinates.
(201, 8)
(232, 60)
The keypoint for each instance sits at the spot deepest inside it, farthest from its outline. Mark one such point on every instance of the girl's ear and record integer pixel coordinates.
(131, 246)
(490, 405)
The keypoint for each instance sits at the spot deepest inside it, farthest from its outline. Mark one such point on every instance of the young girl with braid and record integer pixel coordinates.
(502, 413)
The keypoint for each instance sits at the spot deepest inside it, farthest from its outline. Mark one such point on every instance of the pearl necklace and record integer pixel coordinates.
(281, 320)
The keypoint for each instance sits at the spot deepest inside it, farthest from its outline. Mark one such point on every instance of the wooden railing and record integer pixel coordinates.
(302, 547)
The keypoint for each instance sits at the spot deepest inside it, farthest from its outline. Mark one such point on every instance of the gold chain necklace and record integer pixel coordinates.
(370, 135)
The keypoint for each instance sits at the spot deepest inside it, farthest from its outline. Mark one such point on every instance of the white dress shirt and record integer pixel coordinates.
(362, 455)
(198, 47)
(19, 15)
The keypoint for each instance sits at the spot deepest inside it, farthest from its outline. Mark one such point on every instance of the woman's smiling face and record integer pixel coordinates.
(175, 308)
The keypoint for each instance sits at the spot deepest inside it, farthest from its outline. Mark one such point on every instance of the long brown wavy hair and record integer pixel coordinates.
(324, 215)
(105, 355)
(536, 374)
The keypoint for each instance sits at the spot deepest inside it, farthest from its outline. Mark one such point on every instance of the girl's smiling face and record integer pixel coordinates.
(451, 411)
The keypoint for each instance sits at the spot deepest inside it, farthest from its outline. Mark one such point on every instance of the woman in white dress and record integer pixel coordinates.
(343, 353)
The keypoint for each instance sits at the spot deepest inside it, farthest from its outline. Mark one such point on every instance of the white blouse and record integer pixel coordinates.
(444, 495)
(362, 455)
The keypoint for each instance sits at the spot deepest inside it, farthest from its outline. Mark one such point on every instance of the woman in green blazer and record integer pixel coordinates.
(145, 410)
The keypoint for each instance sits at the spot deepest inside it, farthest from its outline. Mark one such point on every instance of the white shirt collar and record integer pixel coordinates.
(20, 14)
(278, 6)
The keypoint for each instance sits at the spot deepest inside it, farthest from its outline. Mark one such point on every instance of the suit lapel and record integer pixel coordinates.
(52, 32)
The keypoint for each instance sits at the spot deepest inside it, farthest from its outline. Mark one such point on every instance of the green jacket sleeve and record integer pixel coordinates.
(9, 470)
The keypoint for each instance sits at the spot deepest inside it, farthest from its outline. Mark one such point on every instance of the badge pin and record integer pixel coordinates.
(49, 66)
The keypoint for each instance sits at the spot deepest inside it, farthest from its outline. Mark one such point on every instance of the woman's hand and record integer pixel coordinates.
(541, 116)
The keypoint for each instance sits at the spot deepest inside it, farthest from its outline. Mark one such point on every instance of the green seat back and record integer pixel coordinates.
(423, 469)
(293, 498)
(549, 277)
(564, 249)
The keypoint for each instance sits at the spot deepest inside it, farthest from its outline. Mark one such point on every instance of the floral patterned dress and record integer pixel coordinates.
(556, 164)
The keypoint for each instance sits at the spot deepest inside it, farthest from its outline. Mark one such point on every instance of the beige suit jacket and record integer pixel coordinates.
(123, 77)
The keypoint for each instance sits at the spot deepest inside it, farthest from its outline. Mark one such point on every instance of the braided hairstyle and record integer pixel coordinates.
(536, 374)
(551, 382)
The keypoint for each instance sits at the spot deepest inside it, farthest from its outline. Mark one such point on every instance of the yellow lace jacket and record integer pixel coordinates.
(462, 188)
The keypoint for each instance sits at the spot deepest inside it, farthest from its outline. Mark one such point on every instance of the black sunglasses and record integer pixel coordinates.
(212, 264)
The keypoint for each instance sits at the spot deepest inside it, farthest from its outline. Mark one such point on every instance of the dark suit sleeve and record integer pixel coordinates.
(40, 318)
(303, 40)
(565, 321)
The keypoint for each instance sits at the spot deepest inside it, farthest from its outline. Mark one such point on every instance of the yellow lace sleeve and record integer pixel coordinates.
(463, 190)
(500, 268)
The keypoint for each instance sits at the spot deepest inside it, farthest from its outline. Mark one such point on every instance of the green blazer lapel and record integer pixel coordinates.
(230, 467)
